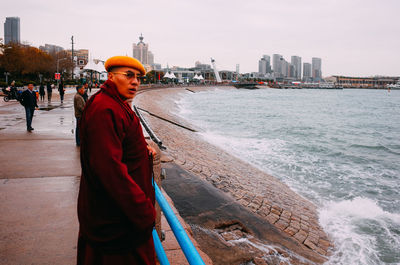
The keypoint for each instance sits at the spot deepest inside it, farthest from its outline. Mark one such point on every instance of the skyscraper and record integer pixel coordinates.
(142, 53)
(306, 71)
(316, 69)
(277, 64)
(12, 30)
(296, 62)
(262, 66)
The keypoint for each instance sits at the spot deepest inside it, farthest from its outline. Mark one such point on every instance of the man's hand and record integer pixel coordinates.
(152, 151)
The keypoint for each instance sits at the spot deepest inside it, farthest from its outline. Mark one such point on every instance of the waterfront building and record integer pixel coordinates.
(316, 69)
(142, 53)
(379, 82)
(150, 58)
(277, 64)
(284, 68)
(12, 30)
(262, 66)
(51, 49)
(307, 72)
(292, 73)
(81, 56)
(296, 62)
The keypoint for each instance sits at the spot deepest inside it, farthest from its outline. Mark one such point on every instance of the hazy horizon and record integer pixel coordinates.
(353, 38)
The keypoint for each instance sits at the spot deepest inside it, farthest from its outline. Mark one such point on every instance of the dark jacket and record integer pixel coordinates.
(41, 89)
(48, 87)
(61, 88)
(28, 99)
(116, 198)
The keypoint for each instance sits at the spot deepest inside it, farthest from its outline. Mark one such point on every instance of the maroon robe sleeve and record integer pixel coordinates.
(106, 132)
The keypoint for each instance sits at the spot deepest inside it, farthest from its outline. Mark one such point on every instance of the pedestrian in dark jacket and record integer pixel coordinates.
(61, 90)
(116, 197)
(41, 92)
(49, 92)
(79, 105)
(29, 101)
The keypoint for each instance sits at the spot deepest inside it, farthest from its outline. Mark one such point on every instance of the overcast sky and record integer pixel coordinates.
(353, 37)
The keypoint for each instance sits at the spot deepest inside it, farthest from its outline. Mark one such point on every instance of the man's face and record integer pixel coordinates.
(81, 90)
(30, 87)
(127, 81)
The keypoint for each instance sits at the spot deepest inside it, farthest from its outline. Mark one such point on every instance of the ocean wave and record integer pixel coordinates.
(362, 232)
(377, 148)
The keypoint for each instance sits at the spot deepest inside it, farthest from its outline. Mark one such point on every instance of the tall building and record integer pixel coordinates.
(12, 30)
(296, 62)
(142, 53)
(284, 68)
(262, 66)
(306, 71)
(150, 58)
(267, 58)
(316, 69)
(277, 64)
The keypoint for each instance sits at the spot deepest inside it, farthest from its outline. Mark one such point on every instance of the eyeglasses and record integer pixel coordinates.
(130, 75)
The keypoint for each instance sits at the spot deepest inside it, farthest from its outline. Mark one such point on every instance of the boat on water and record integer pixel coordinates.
(246, 85)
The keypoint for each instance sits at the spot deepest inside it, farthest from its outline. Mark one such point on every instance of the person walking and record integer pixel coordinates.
(116, 198)
(61, 90)
(29, 101)
(79, 105)
(49, 91)
(41, 92)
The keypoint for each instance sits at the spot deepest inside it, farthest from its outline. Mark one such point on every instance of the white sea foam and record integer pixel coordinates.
(328, 157)
(345, 221)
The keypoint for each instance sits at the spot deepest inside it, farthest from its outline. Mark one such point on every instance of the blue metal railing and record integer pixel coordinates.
(190, 251)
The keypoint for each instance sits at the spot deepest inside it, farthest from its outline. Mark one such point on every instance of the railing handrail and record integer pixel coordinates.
(152, 135)
(190, 251)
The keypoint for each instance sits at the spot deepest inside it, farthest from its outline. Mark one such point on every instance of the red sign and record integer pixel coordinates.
(57, 76)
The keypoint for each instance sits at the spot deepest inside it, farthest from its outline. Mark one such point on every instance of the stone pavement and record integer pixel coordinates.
(261, 193)
(39, 182)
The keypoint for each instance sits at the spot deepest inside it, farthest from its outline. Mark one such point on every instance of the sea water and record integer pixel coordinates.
(338, 148)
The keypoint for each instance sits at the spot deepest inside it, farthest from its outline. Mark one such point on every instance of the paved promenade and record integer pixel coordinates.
(39, 182)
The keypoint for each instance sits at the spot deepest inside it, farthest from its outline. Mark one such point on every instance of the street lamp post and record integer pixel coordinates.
(6, 74)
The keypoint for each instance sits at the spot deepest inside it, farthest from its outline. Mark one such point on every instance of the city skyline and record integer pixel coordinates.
(355, 38)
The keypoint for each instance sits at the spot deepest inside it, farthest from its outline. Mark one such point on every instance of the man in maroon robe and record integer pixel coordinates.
(116, 197)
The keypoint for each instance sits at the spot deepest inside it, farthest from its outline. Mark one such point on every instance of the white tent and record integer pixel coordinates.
(196, 77)
(92, 66)
(200, 77)
(167, 75)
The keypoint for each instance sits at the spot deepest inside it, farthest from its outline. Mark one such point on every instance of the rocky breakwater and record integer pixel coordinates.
(263, 195)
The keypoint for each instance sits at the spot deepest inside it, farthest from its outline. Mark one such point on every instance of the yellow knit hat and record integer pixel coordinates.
(124, 61)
